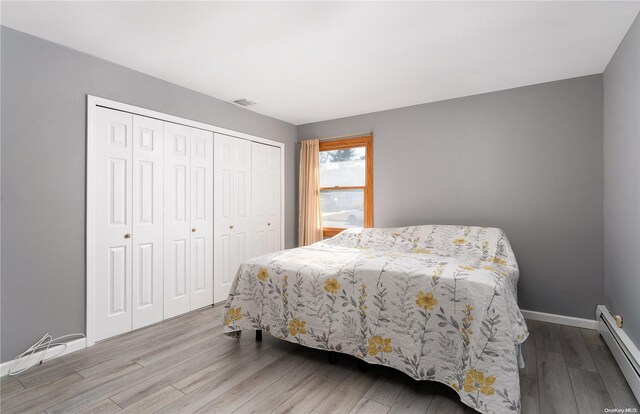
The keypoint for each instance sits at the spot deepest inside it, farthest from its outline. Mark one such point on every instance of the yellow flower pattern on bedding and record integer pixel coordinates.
(426, 300)
(475, 381)
(435, 302)
(422, 251)
(332, 286)
(379, 344)
(263, 274)
(233, 315)
(296, 327)
(497, 260)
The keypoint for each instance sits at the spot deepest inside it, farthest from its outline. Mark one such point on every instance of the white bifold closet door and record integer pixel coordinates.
(188, 218)
(113, 222)
(147, 280)
(177, 234)
(128, 224)
(201, 218)
(266, 198)
(232, 210)
(157, 225)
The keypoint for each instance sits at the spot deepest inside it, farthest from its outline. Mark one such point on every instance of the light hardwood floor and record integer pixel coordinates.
(186, 365)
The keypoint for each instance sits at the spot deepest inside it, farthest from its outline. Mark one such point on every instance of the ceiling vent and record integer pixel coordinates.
(244, 102)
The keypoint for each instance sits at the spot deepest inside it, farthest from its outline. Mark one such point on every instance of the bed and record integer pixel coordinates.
(436, 302)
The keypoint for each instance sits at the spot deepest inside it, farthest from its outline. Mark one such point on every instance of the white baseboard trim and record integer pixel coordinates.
(54, 352)
(625, 352)
(560, 319)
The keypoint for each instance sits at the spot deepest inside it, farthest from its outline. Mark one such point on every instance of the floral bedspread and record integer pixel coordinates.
(436, 302)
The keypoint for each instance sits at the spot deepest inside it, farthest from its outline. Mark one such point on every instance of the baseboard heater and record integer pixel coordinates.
(624, 351)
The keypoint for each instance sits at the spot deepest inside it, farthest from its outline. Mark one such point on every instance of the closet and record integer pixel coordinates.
(265, 181)
(146, 230)
(247, 210)
(173, 209)
(188, 219)
(232, 226)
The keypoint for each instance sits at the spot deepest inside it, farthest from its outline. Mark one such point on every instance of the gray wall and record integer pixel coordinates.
(622, 182)
(528, 160)
(44, 88)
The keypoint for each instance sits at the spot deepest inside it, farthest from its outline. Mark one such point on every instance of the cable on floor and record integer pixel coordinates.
(37, 352)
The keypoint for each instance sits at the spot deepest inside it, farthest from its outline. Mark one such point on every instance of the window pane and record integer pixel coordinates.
(344, 167)
(342, 208)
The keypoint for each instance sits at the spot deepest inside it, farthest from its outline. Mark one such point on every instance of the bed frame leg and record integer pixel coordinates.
(363, 366)
(333, 358)
(259, 335)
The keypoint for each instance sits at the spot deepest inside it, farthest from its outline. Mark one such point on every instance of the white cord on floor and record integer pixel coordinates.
(24, 361)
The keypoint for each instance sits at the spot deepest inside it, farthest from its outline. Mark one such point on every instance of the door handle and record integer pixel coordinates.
(193, 230)
(231, 226)
(127, 236)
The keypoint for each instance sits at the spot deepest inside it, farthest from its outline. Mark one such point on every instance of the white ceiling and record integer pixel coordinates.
(310, 61)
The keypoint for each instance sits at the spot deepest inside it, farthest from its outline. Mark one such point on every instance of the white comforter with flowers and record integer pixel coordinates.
(436, 302)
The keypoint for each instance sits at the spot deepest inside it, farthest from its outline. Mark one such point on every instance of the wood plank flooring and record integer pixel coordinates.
(186, 365)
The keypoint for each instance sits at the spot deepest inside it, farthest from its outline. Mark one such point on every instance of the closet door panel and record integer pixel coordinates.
(242, 201)
(177, 220)
(224, 258)
(258, 182)
(274, 200)
(223, 269)
(232, 210)
(223, 216)
(266, 198)
(113, 222)
(201, 218)
(147, 285)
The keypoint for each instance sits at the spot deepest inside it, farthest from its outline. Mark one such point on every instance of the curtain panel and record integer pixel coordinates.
(310, 221)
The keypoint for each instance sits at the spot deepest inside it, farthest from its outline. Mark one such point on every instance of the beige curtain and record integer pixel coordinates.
(310, 223)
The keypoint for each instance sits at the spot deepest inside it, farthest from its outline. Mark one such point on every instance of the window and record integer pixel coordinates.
(346, 184)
